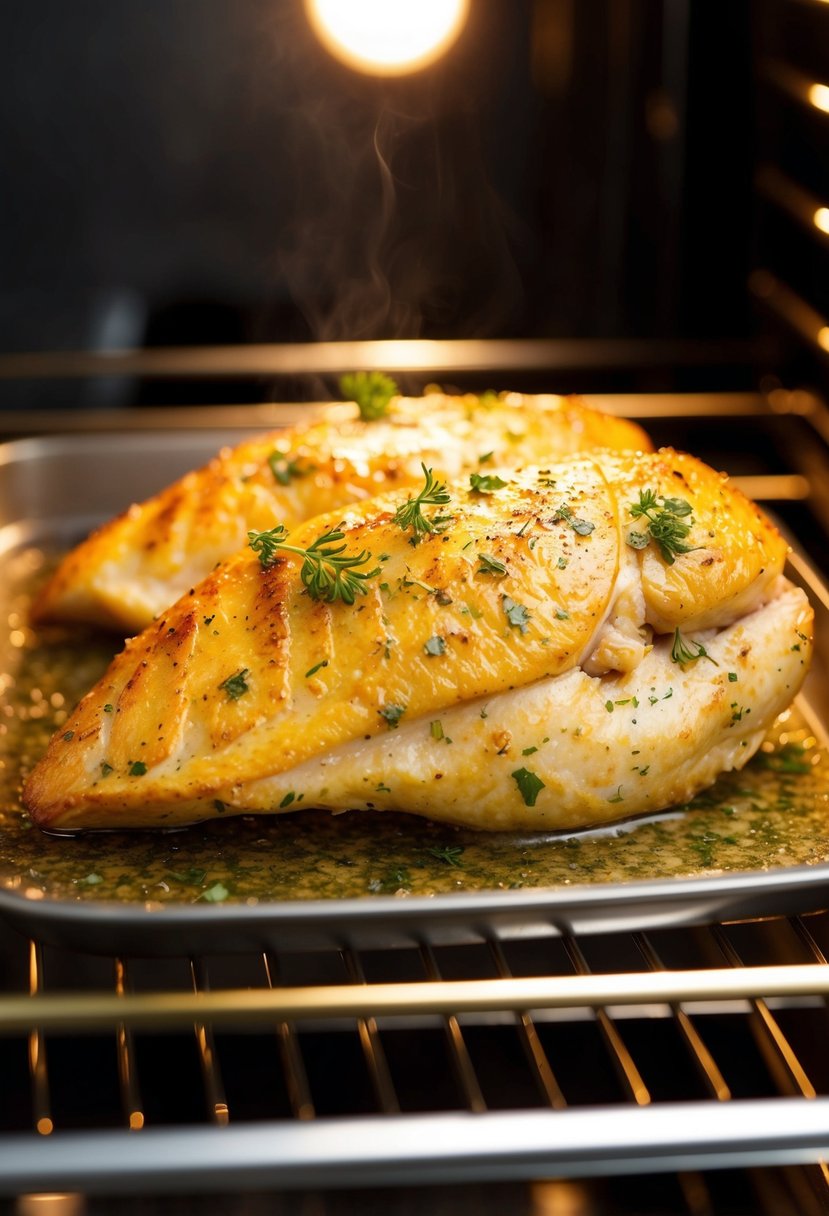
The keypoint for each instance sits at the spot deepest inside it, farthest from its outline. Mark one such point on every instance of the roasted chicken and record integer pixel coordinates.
(553, 648)
(134, 567)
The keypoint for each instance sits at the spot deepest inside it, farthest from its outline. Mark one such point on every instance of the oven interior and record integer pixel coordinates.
(713, 1098)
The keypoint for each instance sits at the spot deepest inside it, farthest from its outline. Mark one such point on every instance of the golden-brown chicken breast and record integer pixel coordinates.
(554, 647)
(134, 567)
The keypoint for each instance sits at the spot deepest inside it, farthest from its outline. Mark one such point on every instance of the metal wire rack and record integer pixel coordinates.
(676, 1052)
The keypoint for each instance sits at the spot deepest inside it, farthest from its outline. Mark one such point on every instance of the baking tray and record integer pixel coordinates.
(53, 489)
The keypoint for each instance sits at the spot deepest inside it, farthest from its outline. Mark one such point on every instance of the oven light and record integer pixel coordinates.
(819, 96)
(387, 37)
(821, 218)
(823, 338)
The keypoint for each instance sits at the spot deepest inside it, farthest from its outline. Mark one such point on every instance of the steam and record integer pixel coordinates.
(396, 230)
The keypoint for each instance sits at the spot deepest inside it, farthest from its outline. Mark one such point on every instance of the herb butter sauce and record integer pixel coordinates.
(774, 813)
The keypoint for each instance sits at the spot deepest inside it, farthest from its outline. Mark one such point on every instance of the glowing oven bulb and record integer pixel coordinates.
(387, 37)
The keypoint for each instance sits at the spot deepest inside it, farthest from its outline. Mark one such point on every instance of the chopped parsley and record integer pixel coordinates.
(327, 572)
(287, 800)
(581, 527)
(392, 714)
(372, 391)
(67, 735)
(106, 768)
(517, 614)
(435, 645)
(216, 894)
(666, 524)
(436, 729)
(529, 785)
(137, 769)
(109, 709)
(490, 565)
(732, 677)
(312, 671)
(485, 483)
(236, 686)
(284, 469)
(618, 796)
(447, 853)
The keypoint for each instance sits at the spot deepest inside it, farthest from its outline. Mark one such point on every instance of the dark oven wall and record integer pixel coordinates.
(203, 172)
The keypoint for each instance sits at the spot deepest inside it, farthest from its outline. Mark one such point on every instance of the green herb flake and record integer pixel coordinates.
(235, 686)
(435, 646)
(392, 714)
(216, 894)
(106, 768)
(618, 796)
(372, 391)
(732, 677)
(517, 614)
(450, 854)
(436, 729)
(490, 565)
(284, 469)
(485, 457)
(218, 806)
(529, 785)
(528, 751)
(485, 483)
(137, 769)
(581, 527)
(287, 800)
(561, 615)
(68, 735)
(312, 671)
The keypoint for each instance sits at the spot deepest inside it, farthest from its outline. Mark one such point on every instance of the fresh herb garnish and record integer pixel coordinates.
(666, 525)
(517, 615)
(436, 729)
(447, 853)
(435, 645)
(392, 714)
(327, 571)
(106, 768)
(137, 769)
(490, 565)
(682, 652)
(581, 527)
(284, 469)
(216, 894)
(312, 671)
(485, 483)
(529, 784)
(236, 686)
(372, 391)
(410, 513)
(287, 800)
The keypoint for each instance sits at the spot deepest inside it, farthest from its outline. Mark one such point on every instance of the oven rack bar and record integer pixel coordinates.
(406, 1149)
(77, 1012)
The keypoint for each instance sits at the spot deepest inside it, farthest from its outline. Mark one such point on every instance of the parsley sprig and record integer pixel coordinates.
(372, 391)
(410, 513)
(327, 572)
(666, 524)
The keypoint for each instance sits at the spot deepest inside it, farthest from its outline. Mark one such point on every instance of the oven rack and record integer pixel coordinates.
(677, 1051)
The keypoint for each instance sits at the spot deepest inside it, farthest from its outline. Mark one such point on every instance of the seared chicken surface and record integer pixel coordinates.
(134, 567)
(560, 647)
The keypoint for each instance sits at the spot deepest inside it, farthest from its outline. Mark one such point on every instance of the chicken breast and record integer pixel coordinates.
(559, 647)
(134, 567)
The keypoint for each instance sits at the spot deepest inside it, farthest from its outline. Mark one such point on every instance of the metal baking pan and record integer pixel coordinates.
(52, 490)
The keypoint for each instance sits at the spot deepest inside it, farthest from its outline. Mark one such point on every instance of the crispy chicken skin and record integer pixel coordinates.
(510, 627)
(134, 567)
